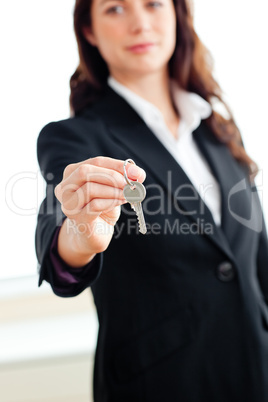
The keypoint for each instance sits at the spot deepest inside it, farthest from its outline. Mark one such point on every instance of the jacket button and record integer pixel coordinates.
(225, 271)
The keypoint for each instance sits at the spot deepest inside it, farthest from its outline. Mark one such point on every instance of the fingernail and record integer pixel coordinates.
(133, 171)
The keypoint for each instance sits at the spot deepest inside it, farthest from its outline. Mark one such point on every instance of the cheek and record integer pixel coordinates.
(167, 27)
(110, 40)
(111, 33)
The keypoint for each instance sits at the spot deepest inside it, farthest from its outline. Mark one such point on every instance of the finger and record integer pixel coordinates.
(108, 163)
(89, 173)
(133, 171)
(93, 209)
(87, 192)
(100, 205)
(75, 175)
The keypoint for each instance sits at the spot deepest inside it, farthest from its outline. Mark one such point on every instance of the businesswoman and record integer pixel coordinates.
(182, 310)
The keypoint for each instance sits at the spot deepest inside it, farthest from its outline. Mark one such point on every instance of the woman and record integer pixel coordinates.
(183, 309)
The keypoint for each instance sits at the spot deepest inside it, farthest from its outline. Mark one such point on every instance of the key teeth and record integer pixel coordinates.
(142, 228)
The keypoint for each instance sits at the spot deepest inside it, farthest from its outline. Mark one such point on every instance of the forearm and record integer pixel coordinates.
(71, 247)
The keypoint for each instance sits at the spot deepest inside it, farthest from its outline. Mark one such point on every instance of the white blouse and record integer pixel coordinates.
(192, 108)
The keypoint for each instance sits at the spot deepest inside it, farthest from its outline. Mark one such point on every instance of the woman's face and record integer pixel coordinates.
(120, 24)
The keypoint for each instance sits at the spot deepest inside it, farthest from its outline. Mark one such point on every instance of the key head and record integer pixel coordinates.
(135, 195)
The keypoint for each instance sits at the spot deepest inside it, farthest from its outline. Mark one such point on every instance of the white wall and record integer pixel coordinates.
(38, 56)
(236, 32)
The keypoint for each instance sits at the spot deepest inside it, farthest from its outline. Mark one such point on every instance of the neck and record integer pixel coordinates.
(154, 88)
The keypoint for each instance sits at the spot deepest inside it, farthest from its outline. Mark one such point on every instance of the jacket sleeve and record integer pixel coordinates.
(262, 261)
(262, 253)
(57, 146)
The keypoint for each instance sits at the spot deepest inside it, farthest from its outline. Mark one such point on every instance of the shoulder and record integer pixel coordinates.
(70, 128)
(70, 140)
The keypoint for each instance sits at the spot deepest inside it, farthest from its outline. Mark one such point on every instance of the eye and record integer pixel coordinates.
(155, 4)
(112, 10)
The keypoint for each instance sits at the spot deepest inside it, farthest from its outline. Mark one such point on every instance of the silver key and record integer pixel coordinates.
(135, 195)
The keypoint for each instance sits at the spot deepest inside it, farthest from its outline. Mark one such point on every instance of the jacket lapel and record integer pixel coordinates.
(236, 193)
(129, 130)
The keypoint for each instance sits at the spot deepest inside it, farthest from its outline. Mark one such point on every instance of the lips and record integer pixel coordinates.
(141, 46)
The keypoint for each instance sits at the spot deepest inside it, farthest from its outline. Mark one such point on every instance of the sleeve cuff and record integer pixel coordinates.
(67, 281)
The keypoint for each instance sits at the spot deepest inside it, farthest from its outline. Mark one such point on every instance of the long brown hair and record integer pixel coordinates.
(191, 65)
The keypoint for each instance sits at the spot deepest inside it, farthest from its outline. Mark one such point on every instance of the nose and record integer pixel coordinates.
(139, 21)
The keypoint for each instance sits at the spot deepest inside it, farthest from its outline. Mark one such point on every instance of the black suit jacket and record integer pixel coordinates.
(183, 309)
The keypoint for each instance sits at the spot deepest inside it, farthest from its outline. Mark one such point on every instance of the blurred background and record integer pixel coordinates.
(47, 343)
